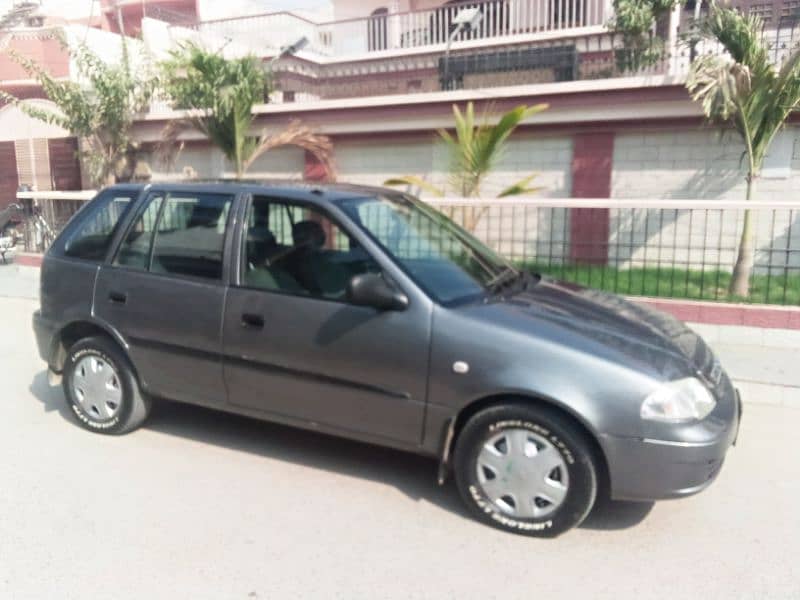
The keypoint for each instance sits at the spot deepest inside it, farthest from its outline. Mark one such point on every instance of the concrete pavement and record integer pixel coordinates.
(204, 505)
(18, 281)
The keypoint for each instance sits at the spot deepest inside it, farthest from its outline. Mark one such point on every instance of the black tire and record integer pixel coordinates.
(548, 425)
(134, 406)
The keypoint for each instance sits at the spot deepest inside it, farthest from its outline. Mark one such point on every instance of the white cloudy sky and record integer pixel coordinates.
(209, 8)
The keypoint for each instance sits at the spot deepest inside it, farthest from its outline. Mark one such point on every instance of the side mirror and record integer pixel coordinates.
(370, 289)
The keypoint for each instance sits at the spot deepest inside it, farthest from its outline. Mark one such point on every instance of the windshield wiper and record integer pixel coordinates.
(502, 279)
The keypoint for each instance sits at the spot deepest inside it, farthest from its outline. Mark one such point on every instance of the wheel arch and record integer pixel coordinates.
(77, 330)
(456, 425)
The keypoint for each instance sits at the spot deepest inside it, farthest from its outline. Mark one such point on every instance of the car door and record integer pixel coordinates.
(164, 292)
(295, 348)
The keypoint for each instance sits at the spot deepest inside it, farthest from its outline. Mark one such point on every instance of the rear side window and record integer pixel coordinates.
(179, 234)
(135, 250)
(92, 236)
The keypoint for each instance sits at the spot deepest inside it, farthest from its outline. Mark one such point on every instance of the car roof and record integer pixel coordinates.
(291, 189)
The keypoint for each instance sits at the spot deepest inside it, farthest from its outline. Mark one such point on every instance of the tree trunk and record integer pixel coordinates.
(740, 282)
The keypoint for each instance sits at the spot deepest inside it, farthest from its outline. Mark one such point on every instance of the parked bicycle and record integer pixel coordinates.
(43, 234)
(9, 235)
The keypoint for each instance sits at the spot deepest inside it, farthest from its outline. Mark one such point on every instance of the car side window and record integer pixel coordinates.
(92, 236)
(134, 252)
(179, 234)
(190, 236)
(297, 249)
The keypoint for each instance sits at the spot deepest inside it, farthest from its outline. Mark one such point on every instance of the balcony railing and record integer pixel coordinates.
(402, 31)
(500, 19)
(263, 35)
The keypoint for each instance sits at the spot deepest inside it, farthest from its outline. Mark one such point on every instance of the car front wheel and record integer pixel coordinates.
(525, 469)
(101, 387)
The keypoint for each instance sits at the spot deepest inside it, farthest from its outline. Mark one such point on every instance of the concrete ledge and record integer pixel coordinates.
(754, 392)
(787, 339)
(723, 313)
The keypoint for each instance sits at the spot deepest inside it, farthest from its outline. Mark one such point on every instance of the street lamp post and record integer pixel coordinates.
(293, 48)
(467, 19)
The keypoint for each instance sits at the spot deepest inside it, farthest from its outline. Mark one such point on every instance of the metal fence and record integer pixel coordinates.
(661, 248)
(45, 213)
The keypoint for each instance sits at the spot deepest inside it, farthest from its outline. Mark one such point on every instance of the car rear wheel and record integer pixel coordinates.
(101, 388)
(525, 469)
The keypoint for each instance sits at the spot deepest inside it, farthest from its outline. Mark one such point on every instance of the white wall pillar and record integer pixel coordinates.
(394, 26)
(673, 41)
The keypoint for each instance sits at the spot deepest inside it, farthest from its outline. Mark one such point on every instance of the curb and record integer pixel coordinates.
(28, 259)
(723, 313)
(745, 335)
(769, 394)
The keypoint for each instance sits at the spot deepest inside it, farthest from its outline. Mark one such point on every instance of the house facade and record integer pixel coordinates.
(381, 76)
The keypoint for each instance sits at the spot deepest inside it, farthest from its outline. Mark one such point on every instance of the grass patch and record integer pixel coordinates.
(783, 289)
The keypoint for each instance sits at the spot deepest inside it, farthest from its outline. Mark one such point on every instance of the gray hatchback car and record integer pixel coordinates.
(364, 313)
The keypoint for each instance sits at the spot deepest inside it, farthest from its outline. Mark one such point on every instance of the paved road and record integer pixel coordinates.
(202, 505)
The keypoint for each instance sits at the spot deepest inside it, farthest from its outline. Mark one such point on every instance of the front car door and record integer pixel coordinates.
(164, 292)
(294, 347)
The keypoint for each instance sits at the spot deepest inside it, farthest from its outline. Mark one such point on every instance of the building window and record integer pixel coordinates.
(377, 30)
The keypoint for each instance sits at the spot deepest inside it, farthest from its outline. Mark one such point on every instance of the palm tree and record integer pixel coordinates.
(747, 90)
(474, 152)
(218, 95)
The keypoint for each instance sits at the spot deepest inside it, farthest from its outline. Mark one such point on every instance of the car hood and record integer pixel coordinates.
(633, 329)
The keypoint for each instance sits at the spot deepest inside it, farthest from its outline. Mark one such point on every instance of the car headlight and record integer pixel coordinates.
(678, 402)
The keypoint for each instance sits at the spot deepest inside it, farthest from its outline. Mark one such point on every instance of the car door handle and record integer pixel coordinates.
(118, 297)
(252, 320)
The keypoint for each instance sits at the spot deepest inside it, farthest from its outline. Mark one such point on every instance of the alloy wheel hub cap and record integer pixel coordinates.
(96, 387)
(523, 474)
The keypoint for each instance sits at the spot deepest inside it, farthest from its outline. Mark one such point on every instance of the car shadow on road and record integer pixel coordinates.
(413, 475)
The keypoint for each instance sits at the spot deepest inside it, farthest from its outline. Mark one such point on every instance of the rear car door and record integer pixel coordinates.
(295, 348)
(164, 293)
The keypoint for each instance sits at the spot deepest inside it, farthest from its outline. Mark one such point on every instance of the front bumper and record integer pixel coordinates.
(656, 469)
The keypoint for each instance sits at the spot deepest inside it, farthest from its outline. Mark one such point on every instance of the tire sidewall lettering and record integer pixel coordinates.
(560, 445)
(492, 511)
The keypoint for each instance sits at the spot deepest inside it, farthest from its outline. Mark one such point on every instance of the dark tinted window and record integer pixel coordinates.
(296, 249)
(190, 235)
(91, 237)
(135, 249)
(181, 234)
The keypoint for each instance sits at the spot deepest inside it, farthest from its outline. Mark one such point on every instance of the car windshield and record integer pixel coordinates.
(446, 261)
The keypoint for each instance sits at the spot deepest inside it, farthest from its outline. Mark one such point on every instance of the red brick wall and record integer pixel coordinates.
(591, 178)
(48, 53)
(8, 174)
(65, 169)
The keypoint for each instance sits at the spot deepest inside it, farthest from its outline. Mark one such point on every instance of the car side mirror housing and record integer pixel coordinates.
(371, 289)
